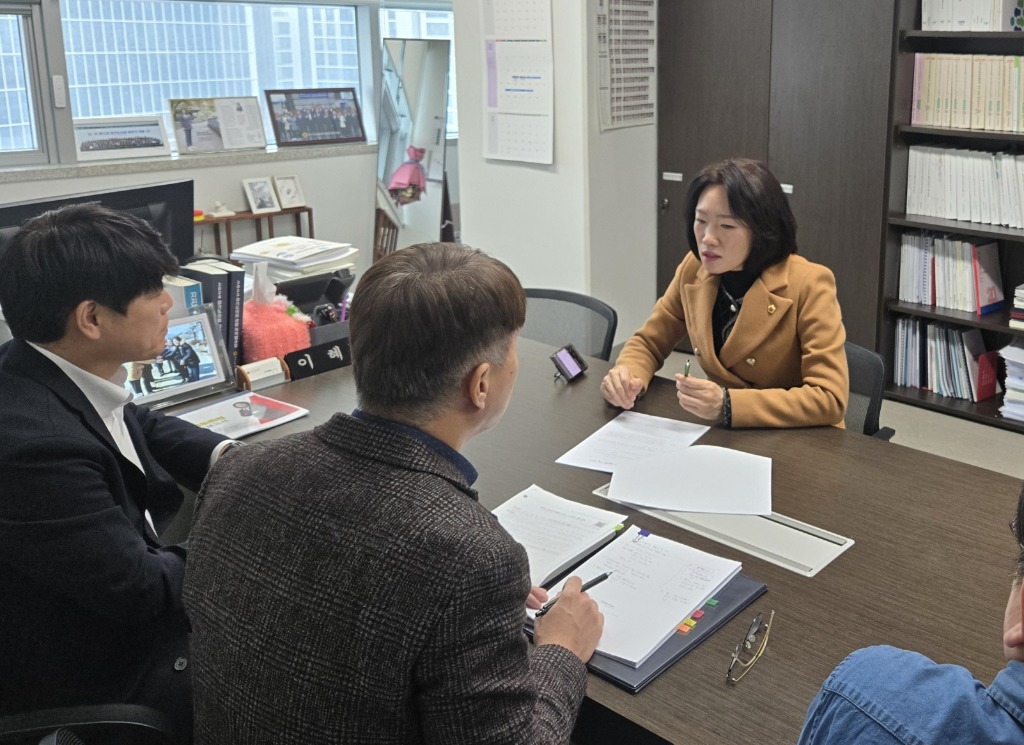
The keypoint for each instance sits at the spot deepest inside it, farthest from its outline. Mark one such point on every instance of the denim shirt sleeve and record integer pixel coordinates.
(883, 695)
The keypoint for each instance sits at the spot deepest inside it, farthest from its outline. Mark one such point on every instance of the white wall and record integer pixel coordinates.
(585, 223)
(340, 189)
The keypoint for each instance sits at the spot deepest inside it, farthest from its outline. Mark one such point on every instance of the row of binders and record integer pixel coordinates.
(971, 15)
(969, 185)
(946, 360)
(968, 91)
(950, 273)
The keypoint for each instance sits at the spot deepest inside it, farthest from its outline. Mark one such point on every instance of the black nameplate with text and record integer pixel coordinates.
(319, 358)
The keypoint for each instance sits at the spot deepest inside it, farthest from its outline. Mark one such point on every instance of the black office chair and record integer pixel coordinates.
(100, 724)
(559, 317)
(867, 379)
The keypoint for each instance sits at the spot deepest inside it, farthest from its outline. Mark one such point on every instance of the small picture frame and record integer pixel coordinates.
(120, 137)
(315, 116)
(289, 193)
(261, 196)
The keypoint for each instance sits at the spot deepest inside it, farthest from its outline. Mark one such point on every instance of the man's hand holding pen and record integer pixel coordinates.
(574, 622)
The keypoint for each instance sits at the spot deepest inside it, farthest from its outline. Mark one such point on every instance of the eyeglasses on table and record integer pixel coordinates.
(750, 648)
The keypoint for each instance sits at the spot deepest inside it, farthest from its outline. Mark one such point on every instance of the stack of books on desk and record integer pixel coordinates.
(295, 254)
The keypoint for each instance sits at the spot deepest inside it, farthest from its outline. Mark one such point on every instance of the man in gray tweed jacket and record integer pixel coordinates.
(345, 585)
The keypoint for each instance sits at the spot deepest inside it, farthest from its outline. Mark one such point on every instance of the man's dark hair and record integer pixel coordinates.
(755, 197)
(75, 253)
(422, 318)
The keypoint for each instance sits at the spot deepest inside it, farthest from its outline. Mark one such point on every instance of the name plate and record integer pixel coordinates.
(318, 358)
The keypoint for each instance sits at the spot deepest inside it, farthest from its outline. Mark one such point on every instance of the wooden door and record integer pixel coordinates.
(830, 71)
(713, 82)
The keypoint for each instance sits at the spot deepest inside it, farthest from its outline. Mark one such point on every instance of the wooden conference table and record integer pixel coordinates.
(930, 569)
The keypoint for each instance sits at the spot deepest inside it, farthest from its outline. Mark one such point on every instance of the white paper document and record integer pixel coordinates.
(242, 415)
(702, 478)
(555, 532)
(655, 585)
(632, 436)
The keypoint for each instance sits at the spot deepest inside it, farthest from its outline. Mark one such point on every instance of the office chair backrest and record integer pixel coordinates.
(559, 317)
(867, 379)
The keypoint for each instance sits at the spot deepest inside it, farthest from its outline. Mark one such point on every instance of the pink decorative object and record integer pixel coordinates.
(270, 332)
(409, 181)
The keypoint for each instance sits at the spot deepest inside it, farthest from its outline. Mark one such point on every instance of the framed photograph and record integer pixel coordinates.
(120, 137)
(260, 193)
(209, 125)
(315, 116)
(289, 193)
(194, 362)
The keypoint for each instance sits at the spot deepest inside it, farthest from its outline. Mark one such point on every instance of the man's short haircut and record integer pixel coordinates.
(422, 318)
(75, 253)
(755, 197)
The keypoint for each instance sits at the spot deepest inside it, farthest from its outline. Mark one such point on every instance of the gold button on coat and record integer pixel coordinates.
(771, 308)
(751, 361)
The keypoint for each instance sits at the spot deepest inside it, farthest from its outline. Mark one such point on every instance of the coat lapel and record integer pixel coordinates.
(762, 311)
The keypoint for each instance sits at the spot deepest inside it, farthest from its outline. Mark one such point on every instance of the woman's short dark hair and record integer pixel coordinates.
(75, 253)
(755, 197)
(422, 318)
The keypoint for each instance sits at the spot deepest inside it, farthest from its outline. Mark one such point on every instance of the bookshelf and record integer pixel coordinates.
(994, 326)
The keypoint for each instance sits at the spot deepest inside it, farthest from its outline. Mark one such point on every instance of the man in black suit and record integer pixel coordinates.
(90, 599)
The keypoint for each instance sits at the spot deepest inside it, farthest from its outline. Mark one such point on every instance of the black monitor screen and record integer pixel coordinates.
(167, 207)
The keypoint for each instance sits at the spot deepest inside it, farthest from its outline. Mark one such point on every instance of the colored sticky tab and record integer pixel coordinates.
(618, 527)
(711, 603)
(644, 533)
(689, 622)
(698, 614)
(684, 629)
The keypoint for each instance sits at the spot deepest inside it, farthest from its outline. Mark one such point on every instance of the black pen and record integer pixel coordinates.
(586, 586)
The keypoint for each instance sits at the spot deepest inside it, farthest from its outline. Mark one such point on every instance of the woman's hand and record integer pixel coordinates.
(700, 397)
(620, 387)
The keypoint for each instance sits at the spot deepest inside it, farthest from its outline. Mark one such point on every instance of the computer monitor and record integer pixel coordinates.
(167, 207)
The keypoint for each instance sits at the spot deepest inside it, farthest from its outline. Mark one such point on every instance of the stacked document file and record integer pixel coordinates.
(294, 252)
(1013, 400)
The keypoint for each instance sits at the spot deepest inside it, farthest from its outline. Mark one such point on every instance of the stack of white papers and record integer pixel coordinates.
(654, 465)
(293, 252)
(1013, 399)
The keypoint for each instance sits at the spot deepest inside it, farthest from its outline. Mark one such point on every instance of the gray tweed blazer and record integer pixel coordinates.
(346, 586)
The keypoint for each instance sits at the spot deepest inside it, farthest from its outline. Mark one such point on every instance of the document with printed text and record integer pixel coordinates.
(632, 436)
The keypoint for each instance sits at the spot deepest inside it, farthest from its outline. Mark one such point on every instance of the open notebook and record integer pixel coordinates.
(556, 532)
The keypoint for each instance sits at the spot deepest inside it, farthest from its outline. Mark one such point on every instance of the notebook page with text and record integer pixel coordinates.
(555, 532)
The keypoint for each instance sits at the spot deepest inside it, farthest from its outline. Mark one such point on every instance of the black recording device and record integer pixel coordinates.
(569, 363)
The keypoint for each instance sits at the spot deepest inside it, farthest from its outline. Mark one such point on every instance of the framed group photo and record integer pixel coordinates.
(120, 137)
(261, 196)
(315, 116)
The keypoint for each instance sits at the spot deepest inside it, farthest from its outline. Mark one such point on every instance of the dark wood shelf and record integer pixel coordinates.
(948, 133)
(983, 412)
(963, 42)
(257, 219)
(962, 227)
(997, 321)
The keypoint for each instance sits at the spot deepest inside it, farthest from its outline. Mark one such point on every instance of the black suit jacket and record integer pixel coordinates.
(90, 601)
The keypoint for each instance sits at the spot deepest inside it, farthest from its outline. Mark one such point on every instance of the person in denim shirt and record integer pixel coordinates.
(883, 695)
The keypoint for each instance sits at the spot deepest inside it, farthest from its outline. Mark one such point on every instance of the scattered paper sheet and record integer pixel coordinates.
(702, 478)
(629, 437)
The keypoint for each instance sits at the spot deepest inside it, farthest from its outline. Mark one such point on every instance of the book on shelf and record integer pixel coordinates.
(557, 533)
(1013, 399)
(293, 252)
(950, 273)
(971, 15)
(234, 303)
(947, 360)
(184, 291)
(967, 91)
(214, 282)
